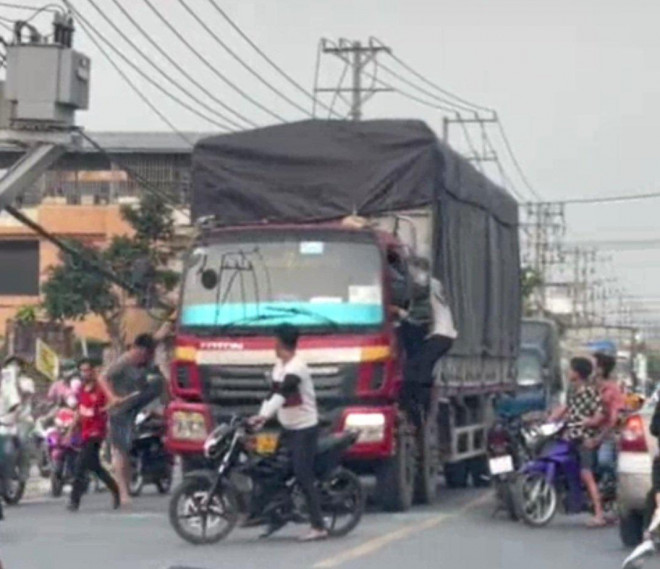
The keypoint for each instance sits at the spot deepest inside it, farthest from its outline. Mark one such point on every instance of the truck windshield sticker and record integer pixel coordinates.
(364, 294)
(312, 247)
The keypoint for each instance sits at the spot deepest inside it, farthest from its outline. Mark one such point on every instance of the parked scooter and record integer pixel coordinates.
(552, 478)
(150, 461)
(207, 504)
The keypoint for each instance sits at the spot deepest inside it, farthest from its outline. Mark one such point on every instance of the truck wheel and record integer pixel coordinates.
(426, 480)
(456, 474)
(479, 472)
(396, 477)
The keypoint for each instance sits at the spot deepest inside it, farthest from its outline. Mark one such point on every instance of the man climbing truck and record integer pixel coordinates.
(304, 223)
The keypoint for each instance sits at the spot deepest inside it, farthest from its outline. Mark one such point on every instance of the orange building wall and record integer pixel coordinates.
(95, 225)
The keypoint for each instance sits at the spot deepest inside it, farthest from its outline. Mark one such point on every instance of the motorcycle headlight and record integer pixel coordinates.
(369, 426)
(189, 426)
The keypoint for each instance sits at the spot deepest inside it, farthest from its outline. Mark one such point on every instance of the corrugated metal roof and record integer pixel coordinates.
(137, 142)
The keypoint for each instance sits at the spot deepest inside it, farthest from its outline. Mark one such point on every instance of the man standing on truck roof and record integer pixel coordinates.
(429, 310)
(293, 400)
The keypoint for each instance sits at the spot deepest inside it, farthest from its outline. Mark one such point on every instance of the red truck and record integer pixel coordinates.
(302, 223)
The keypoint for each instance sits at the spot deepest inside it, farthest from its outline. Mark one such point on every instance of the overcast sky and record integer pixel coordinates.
(576, 82)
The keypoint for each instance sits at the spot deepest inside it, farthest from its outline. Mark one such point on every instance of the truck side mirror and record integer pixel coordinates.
(209, 279)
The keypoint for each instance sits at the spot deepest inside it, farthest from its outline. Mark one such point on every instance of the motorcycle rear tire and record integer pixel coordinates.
(348, 484)
(13, 497)
(190, 487)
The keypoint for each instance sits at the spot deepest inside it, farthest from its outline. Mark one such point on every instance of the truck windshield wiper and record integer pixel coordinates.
(247, 320)
(303, 312)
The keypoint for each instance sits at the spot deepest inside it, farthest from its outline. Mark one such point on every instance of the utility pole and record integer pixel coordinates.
(543, 229)
(356, 57)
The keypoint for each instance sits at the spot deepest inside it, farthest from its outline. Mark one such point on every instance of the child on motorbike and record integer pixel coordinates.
(584, 413)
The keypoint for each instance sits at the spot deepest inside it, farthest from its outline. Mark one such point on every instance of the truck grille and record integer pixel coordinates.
(247, 386)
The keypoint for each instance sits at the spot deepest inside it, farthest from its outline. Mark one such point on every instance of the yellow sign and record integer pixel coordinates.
(47, 361)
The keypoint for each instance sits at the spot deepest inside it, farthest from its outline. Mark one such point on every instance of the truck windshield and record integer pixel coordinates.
(320, 282)
(530, 370)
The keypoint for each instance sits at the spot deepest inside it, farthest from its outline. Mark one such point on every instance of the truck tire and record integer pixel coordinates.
(396, 476)
(631, 528)
(426, 480)
(456, 474)
(479, 473)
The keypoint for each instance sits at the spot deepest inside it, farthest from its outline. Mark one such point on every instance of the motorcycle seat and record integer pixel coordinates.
(336, 441)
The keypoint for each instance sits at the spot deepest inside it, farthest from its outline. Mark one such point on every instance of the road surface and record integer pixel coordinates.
(458, 532)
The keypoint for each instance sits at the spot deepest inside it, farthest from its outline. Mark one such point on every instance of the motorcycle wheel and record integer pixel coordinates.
(56, 484)
(535, 499)
(196, 526)
(164, 484)
(137, 478)
(14, 491)
(342, 502)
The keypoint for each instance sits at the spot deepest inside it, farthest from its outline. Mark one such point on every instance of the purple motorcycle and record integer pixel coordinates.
(552, 478)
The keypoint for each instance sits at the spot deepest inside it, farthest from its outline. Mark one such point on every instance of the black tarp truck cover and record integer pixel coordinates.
(323, 170)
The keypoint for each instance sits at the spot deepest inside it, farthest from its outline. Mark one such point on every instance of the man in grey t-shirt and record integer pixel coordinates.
(128, 388)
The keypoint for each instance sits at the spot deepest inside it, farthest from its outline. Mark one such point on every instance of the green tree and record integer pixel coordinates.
(531, 281)
(74, 290)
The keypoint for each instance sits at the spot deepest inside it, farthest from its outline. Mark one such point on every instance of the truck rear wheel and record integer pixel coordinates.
(426, 480)
(396, 476)
(456, 474)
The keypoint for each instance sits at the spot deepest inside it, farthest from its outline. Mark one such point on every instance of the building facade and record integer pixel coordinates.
(80, 198)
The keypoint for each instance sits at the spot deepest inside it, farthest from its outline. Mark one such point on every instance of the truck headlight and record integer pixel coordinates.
(369, 426)
(189, 426)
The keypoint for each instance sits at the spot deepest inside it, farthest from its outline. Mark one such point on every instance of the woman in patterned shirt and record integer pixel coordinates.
(584, 413)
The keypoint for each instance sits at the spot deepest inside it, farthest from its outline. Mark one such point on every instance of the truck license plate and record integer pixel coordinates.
(500, 465)
(267, 443)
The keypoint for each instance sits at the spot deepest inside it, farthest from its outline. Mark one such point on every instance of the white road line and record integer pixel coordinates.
(377, 543)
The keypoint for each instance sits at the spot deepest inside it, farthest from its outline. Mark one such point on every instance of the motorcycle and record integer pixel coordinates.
(41, 449)
(206, 506)
(150, 461)
(552, 477)
(63, 451)
(506, 454)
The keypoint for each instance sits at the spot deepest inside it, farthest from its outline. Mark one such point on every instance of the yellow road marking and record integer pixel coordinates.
(380, 542)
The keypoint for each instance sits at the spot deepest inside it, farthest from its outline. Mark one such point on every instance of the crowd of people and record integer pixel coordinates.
(103, 404)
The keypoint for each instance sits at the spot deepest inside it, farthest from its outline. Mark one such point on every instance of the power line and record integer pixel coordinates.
(241, 62)
(135, 88)
(175, 64)
(514, 159)
(47, 7)
(434, 85)
(272, 63)
(610, 199)
(426, 91)
(87, 26)
(167, 77)
(199, 56)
